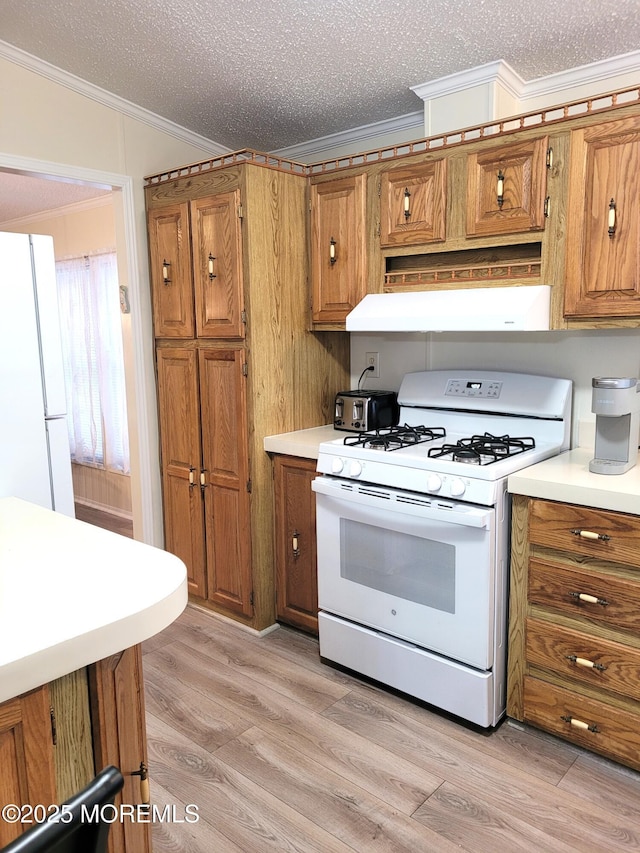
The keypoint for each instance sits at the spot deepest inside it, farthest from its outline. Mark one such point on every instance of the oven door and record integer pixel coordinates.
(409, 565)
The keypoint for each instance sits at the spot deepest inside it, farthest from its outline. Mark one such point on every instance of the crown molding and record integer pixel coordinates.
(107, 99)
(582, 75)
(502, 73)
(498, 71)
(306, 151)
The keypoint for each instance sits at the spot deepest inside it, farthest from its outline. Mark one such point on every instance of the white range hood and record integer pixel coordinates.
(484, 309)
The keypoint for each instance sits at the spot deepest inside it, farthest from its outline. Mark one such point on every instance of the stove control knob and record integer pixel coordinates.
(457, 487)
(355, 469)
(433, 483)
(337, 465)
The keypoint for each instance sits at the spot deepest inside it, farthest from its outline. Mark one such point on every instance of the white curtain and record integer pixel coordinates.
(89, 301)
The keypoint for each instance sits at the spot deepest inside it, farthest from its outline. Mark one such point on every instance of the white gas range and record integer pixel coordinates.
(413, 534)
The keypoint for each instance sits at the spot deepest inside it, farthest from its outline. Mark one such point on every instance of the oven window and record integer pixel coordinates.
(399, 564)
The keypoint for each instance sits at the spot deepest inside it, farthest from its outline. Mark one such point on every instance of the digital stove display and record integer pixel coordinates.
(473, 388)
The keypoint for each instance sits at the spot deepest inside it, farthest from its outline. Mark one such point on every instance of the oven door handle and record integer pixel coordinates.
(407, 503)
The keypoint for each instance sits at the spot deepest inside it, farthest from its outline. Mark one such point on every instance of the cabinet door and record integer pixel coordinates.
(27, 774)
(217, 265)
(119, 736)
(295, 530)
(603, 234)
(506, 188)
(413, 204)
(226, 479)
(179, 411)
(170, 259)
(338, 250)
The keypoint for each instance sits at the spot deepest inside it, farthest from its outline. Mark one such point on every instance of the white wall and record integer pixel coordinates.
(578, 356)
(49, 127)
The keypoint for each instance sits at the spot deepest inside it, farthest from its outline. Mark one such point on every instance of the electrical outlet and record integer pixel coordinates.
(372, 359)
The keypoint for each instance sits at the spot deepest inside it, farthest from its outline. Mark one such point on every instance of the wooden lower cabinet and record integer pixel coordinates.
(203, 426)
(574, 637)
(116, 691)
(591, 723)
(53, 740)
(295, 537)
(27, 775)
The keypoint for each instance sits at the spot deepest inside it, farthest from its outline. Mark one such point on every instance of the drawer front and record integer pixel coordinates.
(609, 600)
(587, 722)
(600, 663)
(580, 530)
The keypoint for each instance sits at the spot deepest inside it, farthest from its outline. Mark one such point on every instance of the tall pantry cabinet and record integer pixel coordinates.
(235, 362)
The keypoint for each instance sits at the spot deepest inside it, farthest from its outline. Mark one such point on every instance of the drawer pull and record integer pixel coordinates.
(589, 534)
(589, 664)
(589, 599)
(579, 724)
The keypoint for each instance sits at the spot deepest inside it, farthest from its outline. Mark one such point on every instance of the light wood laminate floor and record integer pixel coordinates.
(283, 753)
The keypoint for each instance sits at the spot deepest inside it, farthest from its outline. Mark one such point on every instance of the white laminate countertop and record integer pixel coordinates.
(567, 478)
(301, 442)
(72, 594)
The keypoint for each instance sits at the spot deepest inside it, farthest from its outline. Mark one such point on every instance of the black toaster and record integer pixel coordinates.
(363, 411)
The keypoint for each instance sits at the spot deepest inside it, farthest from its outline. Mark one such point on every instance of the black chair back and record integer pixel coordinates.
(84, 831)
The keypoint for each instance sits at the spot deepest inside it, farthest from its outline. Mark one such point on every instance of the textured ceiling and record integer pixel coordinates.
(267, 74)
(271, 73)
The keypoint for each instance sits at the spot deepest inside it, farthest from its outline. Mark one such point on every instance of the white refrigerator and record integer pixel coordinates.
(35, 462)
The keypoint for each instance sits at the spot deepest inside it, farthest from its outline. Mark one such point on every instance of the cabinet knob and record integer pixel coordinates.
(580, 724)
(165, 272)
(407, 203)
(589, 599)
(590, 534)
(295, 544)
(210, 261)
(587, 664)
(611, 219)
(143, 773)
(332, 251)
(500, 189)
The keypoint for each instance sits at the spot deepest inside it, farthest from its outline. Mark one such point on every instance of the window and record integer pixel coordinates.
(89, 303)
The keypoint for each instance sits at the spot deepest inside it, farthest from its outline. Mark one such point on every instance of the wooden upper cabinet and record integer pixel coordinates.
(603, 222)
(217, 265)
(170, 258)
(413, 204)
(506, 188)
(26, 756)
(338, 247)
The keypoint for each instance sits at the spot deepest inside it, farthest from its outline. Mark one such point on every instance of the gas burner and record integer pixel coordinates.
(393, 438)
(483, 449)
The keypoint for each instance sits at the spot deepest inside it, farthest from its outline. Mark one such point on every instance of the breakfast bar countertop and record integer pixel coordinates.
(72, 594)
(567, 478)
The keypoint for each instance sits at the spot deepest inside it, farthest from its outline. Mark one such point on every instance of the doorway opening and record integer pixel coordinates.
(49, 197)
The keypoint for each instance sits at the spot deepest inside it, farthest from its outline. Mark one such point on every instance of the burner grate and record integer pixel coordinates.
(393, 438)
(483, 449)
